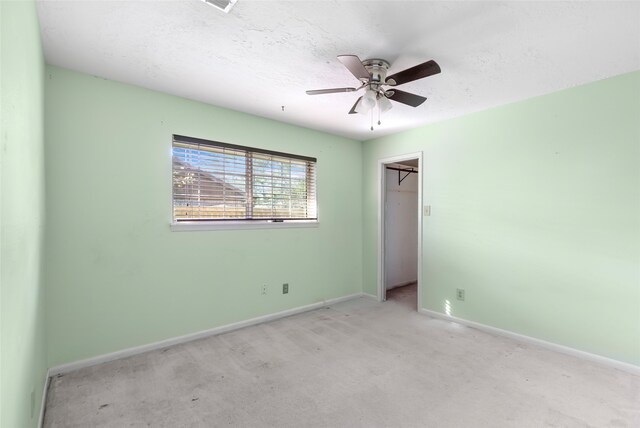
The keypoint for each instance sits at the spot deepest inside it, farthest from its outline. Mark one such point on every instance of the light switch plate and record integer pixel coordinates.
(427, 210)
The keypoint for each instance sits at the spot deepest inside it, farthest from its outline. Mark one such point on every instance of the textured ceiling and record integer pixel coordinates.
(265, 54)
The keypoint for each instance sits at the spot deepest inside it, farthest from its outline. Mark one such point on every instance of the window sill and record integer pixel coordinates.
(186, 226)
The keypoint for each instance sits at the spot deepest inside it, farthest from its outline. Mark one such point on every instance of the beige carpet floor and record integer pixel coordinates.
(355, 364)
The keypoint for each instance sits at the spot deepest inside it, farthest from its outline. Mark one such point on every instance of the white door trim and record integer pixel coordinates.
(382, 292)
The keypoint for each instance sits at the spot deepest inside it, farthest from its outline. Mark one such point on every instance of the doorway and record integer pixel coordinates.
(400, 229)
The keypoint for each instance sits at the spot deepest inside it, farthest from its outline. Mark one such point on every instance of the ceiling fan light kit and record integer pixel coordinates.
(367, 102)
(372, 74)
(384, 104)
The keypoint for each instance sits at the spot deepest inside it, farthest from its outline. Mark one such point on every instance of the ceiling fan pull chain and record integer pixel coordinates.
(379, 114)
(372, 119)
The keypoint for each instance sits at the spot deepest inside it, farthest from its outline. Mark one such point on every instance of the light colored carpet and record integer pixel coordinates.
(406, 296)
(356, 364)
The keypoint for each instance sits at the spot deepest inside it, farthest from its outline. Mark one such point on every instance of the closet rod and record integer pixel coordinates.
(407, 170)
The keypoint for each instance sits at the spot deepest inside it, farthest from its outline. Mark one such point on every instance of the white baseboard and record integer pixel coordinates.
(610, 362)
(44, 398)
(370, 296)
(65, 368)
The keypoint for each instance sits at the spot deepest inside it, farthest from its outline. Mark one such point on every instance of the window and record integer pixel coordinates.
(219, 182)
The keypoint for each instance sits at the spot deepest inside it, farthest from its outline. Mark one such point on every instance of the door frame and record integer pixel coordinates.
(382, 192)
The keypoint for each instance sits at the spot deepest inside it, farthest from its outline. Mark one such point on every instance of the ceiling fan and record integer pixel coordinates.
(372, 74)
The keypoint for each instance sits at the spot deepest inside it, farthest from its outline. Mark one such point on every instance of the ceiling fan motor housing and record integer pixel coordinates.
(377, 68)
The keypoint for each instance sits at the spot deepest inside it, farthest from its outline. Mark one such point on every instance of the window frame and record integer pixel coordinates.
(240, 223)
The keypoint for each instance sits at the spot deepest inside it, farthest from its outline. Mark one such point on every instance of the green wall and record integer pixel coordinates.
(117, 276)
(535, 213)
(22, 331)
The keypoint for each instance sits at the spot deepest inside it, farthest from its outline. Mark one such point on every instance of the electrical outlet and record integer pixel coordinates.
(460, 294)
(264, 289)
(285, 288)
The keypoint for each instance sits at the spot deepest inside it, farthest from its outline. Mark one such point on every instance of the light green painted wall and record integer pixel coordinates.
(22, 330)
(535, 212)
(117, 277)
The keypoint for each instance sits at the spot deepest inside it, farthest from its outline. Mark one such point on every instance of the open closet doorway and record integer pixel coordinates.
(400, 230)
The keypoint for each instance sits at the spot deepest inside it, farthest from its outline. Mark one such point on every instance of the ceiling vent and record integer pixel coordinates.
(223, 5)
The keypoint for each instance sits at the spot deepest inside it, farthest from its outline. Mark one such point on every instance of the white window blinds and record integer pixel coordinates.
(217, 181)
